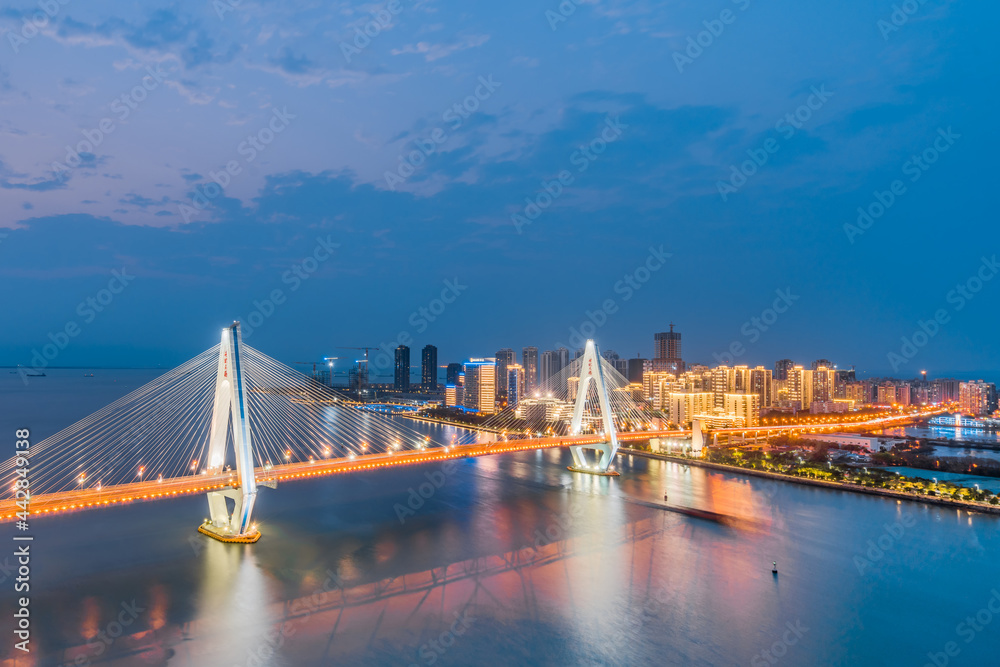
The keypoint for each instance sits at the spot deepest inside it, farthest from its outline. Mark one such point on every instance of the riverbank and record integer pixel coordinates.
(840, 486)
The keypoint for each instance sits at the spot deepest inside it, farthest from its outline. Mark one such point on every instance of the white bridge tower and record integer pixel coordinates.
(230, 404)
(592, 371)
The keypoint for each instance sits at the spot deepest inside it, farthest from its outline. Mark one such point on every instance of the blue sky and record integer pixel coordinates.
(330, 126)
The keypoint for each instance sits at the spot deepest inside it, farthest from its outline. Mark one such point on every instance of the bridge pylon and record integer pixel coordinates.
(230, 404)
(591, 370)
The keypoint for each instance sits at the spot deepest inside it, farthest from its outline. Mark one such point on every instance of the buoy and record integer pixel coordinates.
(774, 567)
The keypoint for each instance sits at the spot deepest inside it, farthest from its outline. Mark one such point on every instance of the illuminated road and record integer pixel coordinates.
(83, 499)
(73, 501)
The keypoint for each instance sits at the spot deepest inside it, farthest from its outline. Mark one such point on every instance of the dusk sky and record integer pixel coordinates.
(114, 119)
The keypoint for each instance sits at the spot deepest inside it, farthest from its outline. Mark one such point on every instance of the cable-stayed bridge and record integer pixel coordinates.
(233, 418)
(550, 408)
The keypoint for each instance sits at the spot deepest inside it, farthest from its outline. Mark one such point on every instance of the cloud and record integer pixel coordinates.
(432, 52)
(38, 184)
(290, 63)
(143, 202)
(164, 32)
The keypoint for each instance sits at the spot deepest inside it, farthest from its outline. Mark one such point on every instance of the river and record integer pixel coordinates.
(509, 560)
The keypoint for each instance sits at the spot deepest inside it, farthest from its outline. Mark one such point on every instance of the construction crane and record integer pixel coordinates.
(328, 360)
(363, 374)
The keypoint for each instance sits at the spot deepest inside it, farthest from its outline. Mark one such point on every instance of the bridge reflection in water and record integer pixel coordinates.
(592, 560)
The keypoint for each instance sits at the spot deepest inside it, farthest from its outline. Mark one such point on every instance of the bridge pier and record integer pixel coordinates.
(697, 437)
(605, 456)
(224, 526)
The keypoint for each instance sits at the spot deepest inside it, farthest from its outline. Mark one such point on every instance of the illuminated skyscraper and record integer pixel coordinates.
(761, 383)
(723, 382)
(480, 386)
(977, 398)
(682, 407)
(857, 392)
(800, 386)
(886, 393)
(823, 383)
(745, 408)
(452, 373)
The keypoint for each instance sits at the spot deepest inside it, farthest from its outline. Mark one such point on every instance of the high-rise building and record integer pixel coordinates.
(977, 398)
(723, 382)
(761, 383)
(563, 357)
(741, 379)
(821, 362)
(782, 367)
(429, 368)
(401, 377)
(572, 387)
(823, 381)
(800, 386)
(505, 358)
(841, 378)
(636, 367)
(529, 359)
(682, 407)
(667, 352)
(903, 394)
(452, 373)
(744, 408)
(886, 394)
(857, 392)
(550, 365)
(516, 386)
(657, 387)
(620, 365)
(945, 390)
(480, 385)
(653, 380)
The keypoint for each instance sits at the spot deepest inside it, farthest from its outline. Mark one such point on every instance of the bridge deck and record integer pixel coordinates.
(84, 499)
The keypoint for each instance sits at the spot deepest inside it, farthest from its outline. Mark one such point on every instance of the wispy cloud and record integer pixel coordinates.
(432, 52)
